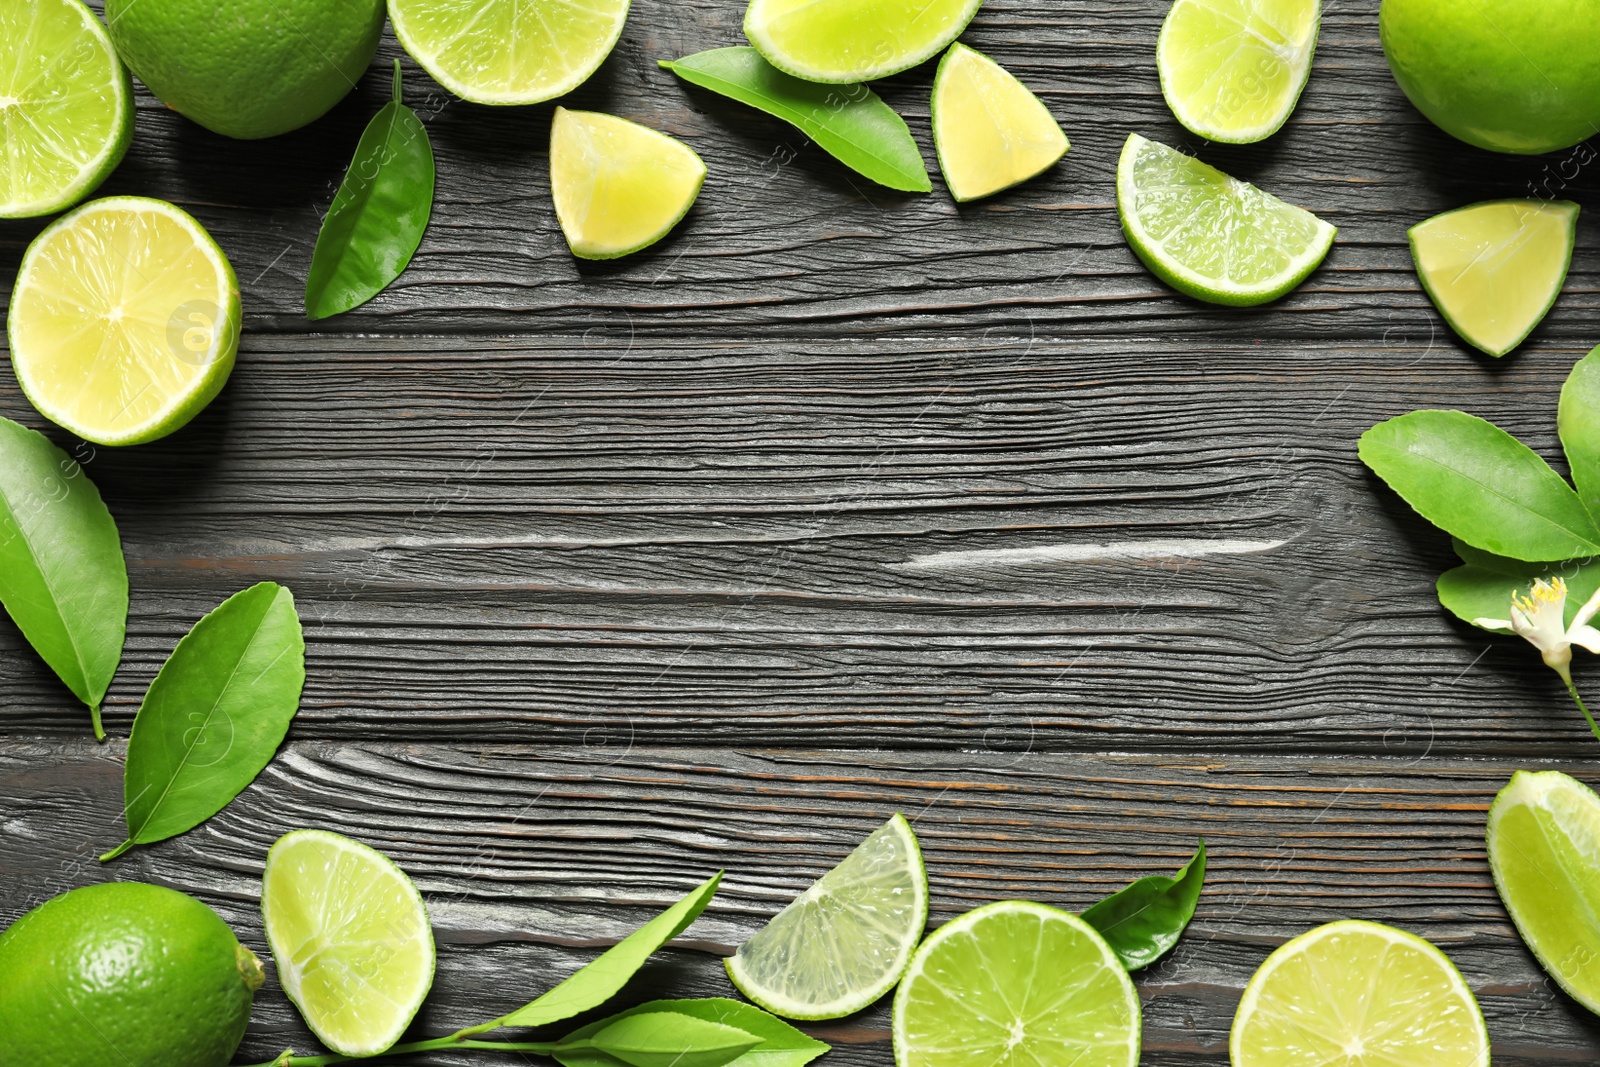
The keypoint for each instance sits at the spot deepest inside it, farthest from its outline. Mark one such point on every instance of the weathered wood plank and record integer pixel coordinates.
(531, 859)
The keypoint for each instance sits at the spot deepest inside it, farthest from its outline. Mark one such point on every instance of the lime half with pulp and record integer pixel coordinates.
(853, 40)
(1016, 984)
(509, 51)
(1211, 236)
(351, 939)
(66, 106)
(1494, 270)
(1232, 70)
(1358, 994)
(124, 320)
(844, 942)
(989, 130)
(1544, 850)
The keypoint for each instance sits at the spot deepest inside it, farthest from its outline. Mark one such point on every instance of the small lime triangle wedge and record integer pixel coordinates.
(1494, 270)
(990, 131)
(618, 186)
(1544, 850)
(853, 40)
(1232, 70)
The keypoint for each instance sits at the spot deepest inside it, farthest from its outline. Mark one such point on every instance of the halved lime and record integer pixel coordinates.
(853, 40)
(1358, 994)
(989, 130)
(124, 320)
(1211, 236)
(1544, 850)
(1232, 70)
(844, 942)
(1017, 984)
(351, 939)
(509, 51)
(1494, 270)
(618, 186)
(66, 106)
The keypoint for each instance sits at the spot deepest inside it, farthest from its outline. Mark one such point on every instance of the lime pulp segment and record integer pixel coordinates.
(124, 320)
(853, 40)
(1544, 850)
(1016, 983)
(1494, 270)
(66, 106)
(845, 941)
(509, 51)
(351, 939)
(1358, 994)
(1232, 70)
(989, 130)
(1212, 236)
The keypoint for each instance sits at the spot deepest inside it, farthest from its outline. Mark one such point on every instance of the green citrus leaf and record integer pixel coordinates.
(781, 1045)
(1142, 922)
(666, 1039)
(1478, 483)
(1579, 422)
(62, 576)
(849, 122)
(214, 716)
(1482, 587)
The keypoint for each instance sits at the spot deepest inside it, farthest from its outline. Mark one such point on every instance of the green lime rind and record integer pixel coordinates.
(834, 34)
(845, 941)
(1543, 839)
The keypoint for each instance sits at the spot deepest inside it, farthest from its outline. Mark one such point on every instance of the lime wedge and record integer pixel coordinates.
(989, 130)
(1494, 270)
(618, 186)
(1544, 850)
(1358, 994)
(124, 320)
(844, 942)
(350, 937)
(853, 40)
(66, 106)
(1211, 236)
(509, 51)
(1016, 983)
(1232, 70)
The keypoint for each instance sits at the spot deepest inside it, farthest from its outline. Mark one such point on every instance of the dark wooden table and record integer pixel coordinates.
(838, 502)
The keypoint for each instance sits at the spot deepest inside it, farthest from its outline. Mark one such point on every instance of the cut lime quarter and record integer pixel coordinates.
(990, 131)
(1544, 850)
(1358, 994)
(618, 186)
(1016, 984)
(509, 51)
(1211, 236)
(853, 40)
(66, 106)
(350, 937)
(1232, 70)
(844, 942)
(124, 320)
(1494, 270)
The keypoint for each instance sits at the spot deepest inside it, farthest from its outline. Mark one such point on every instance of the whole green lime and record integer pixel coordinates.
(1506, 75)
(247, 68)
(123, 975)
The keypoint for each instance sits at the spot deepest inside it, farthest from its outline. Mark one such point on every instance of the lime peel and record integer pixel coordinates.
(840, 41)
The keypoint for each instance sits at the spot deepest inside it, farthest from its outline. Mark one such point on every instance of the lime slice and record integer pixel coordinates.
(351, 939)
(1016, 983)
(1544, 850)
(618, 186)
(853, 40)
(1232, 70)
(509, 51)
(844, 942)
(989, 130)
(66, 106)
(1494, 270)
(1358, 994)
(124, 320)
(1211, 236)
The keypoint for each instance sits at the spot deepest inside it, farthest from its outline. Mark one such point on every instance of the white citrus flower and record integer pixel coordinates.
(1539, 617)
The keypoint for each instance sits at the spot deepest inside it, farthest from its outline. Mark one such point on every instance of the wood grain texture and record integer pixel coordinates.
(530, 859)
